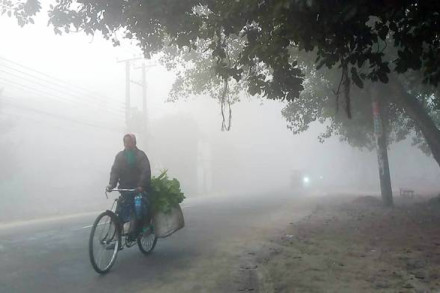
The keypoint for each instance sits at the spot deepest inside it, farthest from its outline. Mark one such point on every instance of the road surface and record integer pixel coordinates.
(52, 255)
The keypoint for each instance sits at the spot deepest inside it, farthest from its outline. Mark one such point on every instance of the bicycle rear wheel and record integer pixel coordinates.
(104, 242)
(147, 240)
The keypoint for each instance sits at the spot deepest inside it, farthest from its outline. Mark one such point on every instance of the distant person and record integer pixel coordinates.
(131, 169)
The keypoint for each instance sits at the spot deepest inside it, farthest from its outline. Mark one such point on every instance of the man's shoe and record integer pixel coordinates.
(131, 237)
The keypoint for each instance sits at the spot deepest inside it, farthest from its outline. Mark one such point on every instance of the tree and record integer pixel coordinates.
(346, 34)
(317, 103)
(196, 77)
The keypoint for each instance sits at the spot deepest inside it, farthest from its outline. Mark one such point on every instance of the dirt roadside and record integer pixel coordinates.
(352, 245)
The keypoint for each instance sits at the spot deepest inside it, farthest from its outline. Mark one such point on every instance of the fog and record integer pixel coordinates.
(62, 120)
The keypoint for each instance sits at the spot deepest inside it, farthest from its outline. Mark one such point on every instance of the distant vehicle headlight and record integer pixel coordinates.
(306, 180)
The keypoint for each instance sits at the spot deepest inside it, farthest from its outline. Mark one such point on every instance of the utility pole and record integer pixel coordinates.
(144, 90)
(1, 100)
(128, 83)
(127, 87)
(143, 85)
(381, 148)
(127, 91)
(142, 127)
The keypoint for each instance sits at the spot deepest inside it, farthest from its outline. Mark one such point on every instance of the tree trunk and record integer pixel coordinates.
(415, 110)
(381, 149)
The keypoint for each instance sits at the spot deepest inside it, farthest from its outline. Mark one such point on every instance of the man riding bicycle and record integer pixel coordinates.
(131, 169)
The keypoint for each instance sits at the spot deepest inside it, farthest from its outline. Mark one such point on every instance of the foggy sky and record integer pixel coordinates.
(57, 160)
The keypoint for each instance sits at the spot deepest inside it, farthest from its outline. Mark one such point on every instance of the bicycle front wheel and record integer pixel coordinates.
(104, 242)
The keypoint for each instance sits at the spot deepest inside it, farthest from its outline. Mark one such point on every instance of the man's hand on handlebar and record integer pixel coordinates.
(109, 188)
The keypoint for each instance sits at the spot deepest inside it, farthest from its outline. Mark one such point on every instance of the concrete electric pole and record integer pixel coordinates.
(136, 121)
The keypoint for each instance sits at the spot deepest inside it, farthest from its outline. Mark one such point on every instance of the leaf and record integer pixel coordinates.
(383, 77)
(383, 32)
(356, 79)
(165, 192)
(320, 64)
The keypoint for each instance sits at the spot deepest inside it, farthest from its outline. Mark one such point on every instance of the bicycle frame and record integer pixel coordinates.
(105, 239)
(113, 209)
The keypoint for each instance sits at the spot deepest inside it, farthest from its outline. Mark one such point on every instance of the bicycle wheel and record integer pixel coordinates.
(104, 242)
(147, 240)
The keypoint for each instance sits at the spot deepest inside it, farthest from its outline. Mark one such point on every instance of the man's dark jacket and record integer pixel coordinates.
(131, 176)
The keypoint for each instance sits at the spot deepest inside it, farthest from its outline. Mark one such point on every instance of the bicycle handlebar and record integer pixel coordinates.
(120, 190)
(124, 189)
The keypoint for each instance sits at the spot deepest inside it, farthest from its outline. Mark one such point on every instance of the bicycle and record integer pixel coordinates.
(108, 233)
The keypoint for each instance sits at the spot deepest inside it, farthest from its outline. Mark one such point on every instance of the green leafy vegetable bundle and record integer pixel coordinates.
(165, 192)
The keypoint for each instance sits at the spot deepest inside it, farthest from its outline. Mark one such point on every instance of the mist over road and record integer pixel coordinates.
(52, 255)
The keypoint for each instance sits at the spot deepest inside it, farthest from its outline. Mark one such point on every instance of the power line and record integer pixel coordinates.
(74, 101)
(61, 112)
(45, 84)
(48, 81)
(17, 84)
(57, 80)
(60, 126)
(56, 116)
(42, 92)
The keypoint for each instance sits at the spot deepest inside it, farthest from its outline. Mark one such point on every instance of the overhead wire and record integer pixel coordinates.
(54, 96)
(55, 115)
(41, 92)
(59, 81)
(54, 86)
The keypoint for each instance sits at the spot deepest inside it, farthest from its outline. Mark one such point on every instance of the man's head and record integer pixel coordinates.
(129, 141)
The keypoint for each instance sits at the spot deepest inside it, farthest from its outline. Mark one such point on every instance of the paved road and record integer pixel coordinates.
(52, 255)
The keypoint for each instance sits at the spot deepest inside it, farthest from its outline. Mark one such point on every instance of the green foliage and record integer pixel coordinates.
(23, 11)
(247, 45)
(317, 103)
(347, 33)
(165, 192)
